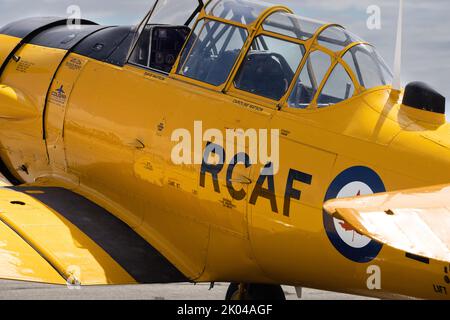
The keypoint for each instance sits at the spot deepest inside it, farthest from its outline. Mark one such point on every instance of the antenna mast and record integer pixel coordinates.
(397, 82)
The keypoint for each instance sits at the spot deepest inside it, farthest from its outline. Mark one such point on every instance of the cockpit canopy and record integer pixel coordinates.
(255, 49)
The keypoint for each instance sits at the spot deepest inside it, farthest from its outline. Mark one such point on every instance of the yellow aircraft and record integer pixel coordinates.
(89, 120)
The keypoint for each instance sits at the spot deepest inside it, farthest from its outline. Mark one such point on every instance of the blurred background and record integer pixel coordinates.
(426, 51)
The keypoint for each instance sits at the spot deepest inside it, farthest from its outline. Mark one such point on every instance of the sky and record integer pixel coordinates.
(426, 45)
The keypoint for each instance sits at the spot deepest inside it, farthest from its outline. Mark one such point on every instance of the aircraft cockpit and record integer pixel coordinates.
(162, 34)
(259, 51)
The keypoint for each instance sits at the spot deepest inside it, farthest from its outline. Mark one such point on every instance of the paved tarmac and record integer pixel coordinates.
(15, 290)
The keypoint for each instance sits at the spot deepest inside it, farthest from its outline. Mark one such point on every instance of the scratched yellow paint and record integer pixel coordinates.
(18, 261)
(8, 45)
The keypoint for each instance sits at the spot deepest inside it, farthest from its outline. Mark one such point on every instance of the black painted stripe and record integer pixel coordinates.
(110, 45)
(28, 26)
(61, 37)
(417, 258)
(27, 29)
(135, 255)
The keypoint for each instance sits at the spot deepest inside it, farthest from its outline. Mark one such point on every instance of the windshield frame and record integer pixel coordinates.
(250, 28)
(256, 29)
(140, 27)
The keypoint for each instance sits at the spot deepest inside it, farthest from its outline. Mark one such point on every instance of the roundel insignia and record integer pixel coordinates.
(355, 181)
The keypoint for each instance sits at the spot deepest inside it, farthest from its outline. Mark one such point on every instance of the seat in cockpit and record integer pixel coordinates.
(264, 73)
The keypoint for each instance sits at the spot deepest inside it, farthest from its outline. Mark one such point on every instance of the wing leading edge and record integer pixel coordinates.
(415, 221)
(53, 235)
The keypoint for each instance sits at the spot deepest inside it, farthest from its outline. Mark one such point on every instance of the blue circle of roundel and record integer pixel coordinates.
(370, 178)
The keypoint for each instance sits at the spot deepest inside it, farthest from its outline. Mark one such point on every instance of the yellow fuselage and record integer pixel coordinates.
(108, 137)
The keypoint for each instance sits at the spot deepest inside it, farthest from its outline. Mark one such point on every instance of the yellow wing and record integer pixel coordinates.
(54, 235)
(415, 221)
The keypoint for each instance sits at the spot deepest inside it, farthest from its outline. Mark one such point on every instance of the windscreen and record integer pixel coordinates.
(174, 12)
(212, 51)
(241, 11)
